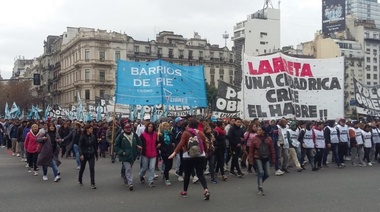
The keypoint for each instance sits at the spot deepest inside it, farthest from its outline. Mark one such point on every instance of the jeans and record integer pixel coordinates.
(334, 150)
(91, 163)
(189, 164)
(211, 165)
(310, 153)
(128, 176)
(54, 167)
(148, 164)
(76, 152)
(21, 149)
(357, 154)
(366, 154)
(263, 171)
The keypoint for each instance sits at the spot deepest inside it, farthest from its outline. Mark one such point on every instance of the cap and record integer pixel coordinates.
(292, 124)
(213, 119)
(146, 117)
(178, 119)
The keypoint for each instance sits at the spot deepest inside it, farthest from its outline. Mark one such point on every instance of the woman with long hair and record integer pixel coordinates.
(249, 135)
(220, 148)
(166, 145)
(149, 153)
(88, 147)
(32, 148)
(194, 156)
(49, 152)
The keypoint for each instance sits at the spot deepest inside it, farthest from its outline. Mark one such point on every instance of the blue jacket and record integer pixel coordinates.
(13, 132)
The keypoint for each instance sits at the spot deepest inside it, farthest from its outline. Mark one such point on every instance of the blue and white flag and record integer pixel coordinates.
(47, 110)
(98, 113)
(79, 108)
(6, 112)
(160, 82)
(14, 108)
(89, 118)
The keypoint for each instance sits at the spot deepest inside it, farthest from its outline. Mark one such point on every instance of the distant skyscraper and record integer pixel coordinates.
(364, 10)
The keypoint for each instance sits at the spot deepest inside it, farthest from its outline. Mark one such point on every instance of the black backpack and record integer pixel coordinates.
(263, 150)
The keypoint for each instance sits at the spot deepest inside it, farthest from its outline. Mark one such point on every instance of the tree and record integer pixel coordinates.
(18, 92)
(211, 92)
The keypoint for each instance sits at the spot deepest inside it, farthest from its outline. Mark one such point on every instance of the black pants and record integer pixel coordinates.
(366, 154)
(377, 151)
(342, 150)
(63, 151)
(318, 157)
(219, 158)
(91, 163)
(189, 164)
(168, 166)
(32, 160)
(235, 161)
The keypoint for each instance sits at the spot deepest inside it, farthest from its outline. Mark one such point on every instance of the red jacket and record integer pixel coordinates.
(149, 143)
(254, 154)
(31, 145)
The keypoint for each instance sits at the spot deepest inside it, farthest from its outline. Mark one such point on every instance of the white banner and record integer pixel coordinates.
(277, 85)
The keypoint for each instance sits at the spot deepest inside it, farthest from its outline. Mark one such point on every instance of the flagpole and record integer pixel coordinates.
(113, 133)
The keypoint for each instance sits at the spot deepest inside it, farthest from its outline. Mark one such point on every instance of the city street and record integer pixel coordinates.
(330, 189)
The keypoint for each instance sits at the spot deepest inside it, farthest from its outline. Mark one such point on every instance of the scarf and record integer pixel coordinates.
(220, 131)
(166, 137)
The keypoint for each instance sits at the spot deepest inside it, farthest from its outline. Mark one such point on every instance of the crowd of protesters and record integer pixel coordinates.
(220, 148)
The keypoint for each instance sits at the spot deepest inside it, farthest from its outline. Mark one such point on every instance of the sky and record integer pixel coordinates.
(25, 24)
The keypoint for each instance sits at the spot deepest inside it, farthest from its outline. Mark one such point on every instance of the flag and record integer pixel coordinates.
(98, 113)
(132, 112)
(88, 116)
(166, 111)
(47, 110)
(79, 108)
(153, 117)
(14, 108)
(7, 115)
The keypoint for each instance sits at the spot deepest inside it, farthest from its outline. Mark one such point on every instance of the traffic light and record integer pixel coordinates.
(37, 79)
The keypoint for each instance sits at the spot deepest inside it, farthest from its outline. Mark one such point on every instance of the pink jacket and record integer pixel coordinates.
(31, 145)
(149, 144)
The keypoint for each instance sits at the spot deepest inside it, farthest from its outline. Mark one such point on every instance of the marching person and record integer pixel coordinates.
(32, 148)
(149, 153)
(194, 155)
(88, 147)
(49, 153)
(261, 152)
(127, 147)
(166, 145)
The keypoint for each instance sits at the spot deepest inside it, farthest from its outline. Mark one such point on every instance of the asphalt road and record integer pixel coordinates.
(328, 190)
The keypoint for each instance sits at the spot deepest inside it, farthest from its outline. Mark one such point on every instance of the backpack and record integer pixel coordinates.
(263, 150)
(193, 146)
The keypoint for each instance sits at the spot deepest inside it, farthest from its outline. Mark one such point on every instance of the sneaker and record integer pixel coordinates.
(184, 194)
(314, 169)
(152, 185)
(340, 166)
(35, 173)
(206, 172)
(18, 155)
(130, 187)
(369, 164)
(57, 178)
(27, 166)
(78, 167)
(362, 165)
(155, 176)
(207, 195)
(344, 165)
(233, 173)
(44, 178)
(347, 158)
(224, 177)
(29, 170)
(80, 184)
(213, 181)
(261, 192)
(279, 173)
(240, 175)
(13, 154)
(180, 178)
(142, 179)
(93, 186)
(177, 174)
(168, 183)
(195, 179)
(299, 169)
(2, 146)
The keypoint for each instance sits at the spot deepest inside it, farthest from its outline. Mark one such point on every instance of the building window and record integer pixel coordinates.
(212, 71)
(368, 76)
(117, 55)
(221, 71)
(368, 59)
(211, 54)
(86, 54)
(87, 75)
(375, 76)
(170, 53)
(262, 34)
(221, 76)
(200, 53)
(262, 43)
(221, 55)
(212, 80)
(231, 80)
(87, 94)
(231, 72)
(102, 55)
(375, 59)
(101, 93)
(102, 76)
(375, 68)
(181, 54)
(137, 49)
(190, 54)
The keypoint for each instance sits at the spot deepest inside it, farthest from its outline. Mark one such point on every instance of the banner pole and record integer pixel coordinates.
(113, 134)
